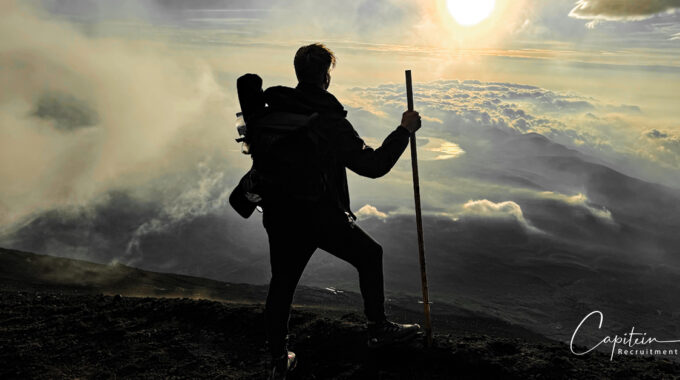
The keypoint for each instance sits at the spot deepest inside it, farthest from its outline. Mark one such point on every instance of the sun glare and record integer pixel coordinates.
(470, 12)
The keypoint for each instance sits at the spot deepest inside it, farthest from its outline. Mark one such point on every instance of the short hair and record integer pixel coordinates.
(312, 62)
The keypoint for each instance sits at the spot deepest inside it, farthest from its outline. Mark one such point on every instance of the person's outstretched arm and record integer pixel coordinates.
(368, 162)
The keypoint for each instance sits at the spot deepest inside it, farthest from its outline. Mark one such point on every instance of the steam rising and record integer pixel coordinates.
(131, 114)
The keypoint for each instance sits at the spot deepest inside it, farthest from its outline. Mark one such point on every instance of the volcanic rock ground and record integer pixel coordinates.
(71, 319)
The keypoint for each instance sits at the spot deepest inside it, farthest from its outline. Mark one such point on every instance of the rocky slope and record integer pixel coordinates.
(60, 330)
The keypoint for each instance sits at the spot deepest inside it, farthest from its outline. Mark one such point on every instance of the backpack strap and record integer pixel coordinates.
(284, 121)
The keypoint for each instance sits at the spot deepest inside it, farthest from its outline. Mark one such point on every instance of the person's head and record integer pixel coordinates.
(313, 64)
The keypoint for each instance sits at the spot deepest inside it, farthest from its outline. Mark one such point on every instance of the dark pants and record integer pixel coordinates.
(294, 235)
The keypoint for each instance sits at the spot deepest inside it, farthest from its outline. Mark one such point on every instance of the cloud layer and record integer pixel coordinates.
(468, 111)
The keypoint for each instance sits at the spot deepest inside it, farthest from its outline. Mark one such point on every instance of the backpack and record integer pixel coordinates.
(289, 155)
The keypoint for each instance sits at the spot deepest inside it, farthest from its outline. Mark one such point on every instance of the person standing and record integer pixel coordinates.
(297, 227)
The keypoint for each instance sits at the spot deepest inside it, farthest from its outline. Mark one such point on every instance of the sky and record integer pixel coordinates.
(103, 96)
(103, 92)
(550, 142)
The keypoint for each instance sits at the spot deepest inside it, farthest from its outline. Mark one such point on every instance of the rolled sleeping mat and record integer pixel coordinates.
(250, 95)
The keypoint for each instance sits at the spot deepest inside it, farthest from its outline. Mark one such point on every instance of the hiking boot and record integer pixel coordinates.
(282, 366)
(386, 333)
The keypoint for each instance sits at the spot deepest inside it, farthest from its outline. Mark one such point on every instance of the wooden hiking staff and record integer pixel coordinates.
(419, 217)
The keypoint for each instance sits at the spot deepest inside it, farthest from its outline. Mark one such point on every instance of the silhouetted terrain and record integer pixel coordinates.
(56, 323)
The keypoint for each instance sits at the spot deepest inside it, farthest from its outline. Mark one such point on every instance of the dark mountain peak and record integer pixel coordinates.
(535, 136)
(535, 144)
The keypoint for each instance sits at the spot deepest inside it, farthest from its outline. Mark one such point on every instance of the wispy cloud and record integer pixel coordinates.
(368, 211)
(621, 10)
(507, 210)
(579, 200)
(442, 149)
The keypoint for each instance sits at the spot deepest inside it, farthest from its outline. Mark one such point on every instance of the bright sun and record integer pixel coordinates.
(470, 12)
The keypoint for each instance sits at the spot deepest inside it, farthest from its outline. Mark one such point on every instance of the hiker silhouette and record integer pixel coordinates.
(309, 207)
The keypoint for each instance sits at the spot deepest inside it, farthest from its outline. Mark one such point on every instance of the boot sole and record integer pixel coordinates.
(395, 341)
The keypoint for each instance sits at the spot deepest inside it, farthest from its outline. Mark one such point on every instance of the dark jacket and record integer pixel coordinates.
(347, 149)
